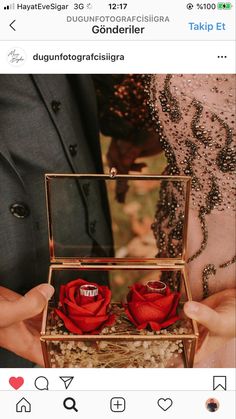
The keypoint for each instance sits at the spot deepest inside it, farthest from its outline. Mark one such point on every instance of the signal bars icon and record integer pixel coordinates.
(10, 7)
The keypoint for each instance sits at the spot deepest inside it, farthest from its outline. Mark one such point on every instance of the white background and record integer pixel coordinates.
(92, 389)
(163, 48)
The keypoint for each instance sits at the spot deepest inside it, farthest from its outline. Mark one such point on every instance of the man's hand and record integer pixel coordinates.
(20, 319)
(217, 318)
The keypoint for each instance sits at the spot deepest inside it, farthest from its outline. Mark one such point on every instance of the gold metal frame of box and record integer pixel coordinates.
(55, 259)
(164, 264)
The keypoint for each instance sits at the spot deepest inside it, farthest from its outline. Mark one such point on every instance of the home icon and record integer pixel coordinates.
(23, 406)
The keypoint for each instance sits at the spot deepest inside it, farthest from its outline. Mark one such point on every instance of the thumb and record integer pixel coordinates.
(204, 315)
(26, 306)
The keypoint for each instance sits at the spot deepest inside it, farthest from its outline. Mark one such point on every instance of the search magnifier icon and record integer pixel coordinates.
(70, 404)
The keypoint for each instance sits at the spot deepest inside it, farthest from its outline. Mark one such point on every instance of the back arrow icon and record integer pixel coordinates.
(12, 24)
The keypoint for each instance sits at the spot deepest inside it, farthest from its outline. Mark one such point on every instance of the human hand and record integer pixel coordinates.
(217, 319)
(123, 154)
(20, 321)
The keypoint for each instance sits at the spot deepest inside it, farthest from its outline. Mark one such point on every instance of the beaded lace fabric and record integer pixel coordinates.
(194, 116)
(195, 119)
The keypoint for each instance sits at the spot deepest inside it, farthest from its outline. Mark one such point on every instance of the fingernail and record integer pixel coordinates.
(192, 307)
(46, 290)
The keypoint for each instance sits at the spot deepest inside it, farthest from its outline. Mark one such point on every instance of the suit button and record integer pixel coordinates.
(20, 210)
(73, 149)
(92, 226)
(56, 106)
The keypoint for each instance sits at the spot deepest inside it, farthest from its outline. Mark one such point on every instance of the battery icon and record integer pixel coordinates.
(224, 6)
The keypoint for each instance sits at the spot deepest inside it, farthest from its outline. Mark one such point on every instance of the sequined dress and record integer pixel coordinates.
(195, 119)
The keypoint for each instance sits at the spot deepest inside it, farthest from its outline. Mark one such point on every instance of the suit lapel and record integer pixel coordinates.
(86, 97)
(42, 83)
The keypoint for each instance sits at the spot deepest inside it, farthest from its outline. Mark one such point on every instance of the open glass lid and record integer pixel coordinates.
(117, 218)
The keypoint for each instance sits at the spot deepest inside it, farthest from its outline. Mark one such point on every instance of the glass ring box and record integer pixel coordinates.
(120, 304)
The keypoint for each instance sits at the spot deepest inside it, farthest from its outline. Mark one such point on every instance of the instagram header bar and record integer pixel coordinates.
(100, 20)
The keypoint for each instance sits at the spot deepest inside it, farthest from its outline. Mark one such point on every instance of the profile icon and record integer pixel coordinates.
(212, 405)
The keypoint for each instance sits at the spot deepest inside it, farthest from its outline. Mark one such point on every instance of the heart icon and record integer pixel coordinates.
(16, 382)
(165, 404)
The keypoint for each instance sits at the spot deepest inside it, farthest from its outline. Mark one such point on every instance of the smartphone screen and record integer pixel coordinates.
(117, 209)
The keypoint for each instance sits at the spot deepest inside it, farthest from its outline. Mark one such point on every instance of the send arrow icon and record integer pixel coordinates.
(67, 381)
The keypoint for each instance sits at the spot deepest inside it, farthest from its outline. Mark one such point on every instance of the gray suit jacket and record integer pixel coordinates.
(48, 124)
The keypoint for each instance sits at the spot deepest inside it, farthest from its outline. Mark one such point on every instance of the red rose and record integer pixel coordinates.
(155, 310)
(81, 314)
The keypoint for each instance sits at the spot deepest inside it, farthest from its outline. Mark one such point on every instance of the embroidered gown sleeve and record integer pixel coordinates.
(195, 118)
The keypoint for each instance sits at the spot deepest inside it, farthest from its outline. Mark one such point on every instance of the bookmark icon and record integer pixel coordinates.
(219, 382)
(67, 380)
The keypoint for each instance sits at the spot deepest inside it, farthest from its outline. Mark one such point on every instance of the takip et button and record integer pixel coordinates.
(207, 26)
(20, 210)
